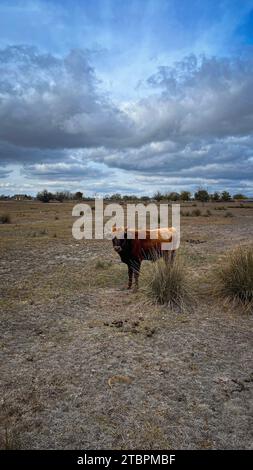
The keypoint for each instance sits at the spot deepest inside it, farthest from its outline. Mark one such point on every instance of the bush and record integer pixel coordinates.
(196, 213)
(102, 264)
(202, 195)
(5, 219)
(45, 196)
(239, 196)
(229, 214)
(225, 196)
(234, 280)
(168, 284)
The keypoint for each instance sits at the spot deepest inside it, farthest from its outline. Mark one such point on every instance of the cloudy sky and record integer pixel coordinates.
(126, 96)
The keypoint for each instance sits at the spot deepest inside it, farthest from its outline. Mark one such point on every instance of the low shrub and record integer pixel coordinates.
(234, 279)
(5, 219)
(168, 284)
(196, 213)
(229, 214)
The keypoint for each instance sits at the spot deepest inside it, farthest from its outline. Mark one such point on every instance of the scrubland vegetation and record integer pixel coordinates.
(87, 364)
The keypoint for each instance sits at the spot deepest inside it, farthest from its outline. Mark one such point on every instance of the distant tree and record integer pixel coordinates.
(185, 196)
(215, 196)
(202, 195)
(116, 196)
(145, 198)
(129, 197)
(45, 196)
(59, 196)
(64, 196)
(239, 196)
(158, 196)
(225, 196)
(174, 196)
(78, 195)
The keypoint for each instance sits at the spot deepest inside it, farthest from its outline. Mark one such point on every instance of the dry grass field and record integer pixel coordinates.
(87, 364)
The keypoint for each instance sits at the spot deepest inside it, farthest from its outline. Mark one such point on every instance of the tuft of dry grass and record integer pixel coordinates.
(229, 214)
(220, 208)
(8, 438)
(185, 213)
(196, 213)
(234, 279)
(101, 264)
(168, 284)
(5, 219)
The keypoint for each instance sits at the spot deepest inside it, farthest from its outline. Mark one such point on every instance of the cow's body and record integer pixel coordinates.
(144, 245)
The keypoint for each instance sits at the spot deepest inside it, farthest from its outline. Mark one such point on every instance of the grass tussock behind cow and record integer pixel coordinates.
(169, 284)
(5, 219)
(233, 280)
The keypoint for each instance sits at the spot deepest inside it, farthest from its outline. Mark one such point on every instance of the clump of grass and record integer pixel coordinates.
(42, 232)
(5, 219)
(234, 280)
(196, 213)
(39, 233)
(9, 440)
(168, 284)
(185, 213)
(208, 213)
(56, 217)
(101, 264)
(220, 208)
(229, 214)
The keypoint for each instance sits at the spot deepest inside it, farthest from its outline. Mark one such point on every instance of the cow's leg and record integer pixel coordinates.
(166, 256)
(137, 267)
(172, 256)
(130, 276)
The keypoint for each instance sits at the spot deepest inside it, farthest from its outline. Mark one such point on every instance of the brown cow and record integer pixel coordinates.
(144, 245)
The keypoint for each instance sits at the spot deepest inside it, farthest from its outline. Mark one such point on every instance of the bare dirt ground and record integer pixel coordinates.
(86, 364)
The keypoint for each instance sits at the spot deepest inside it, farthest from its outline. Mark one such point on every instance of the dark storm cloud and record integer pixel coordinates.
(48, 102)
(10, 153)
(197, 121)
(63, 171)
(219, 158)
(4, 173)
(207, 96)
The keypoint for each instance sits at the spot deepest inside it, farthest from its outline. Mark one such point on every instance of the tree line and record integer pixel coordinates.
(201, 195)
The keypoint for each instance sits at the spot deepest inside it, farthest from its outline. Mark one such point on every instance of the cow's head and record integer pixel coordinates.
(119, 239)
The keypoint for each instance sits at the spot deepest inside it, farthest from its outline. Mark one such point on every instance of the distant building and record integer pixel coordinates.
(21, 197)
